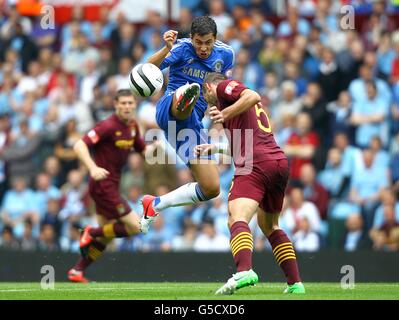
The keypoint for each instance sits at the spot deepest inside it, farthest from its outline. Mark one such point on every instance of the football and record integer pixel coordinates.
(145, 80)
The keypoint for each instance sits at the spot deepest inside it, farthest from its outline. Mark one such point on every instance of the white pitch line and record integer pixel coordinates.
(83, 289)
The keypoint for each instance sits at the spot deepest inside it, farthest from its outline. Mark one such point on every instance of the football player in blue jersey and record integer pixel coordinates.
(183, 107)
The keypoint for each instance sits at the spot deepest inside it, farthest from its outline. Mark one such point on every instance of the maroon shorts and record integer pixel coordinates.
(265, 184)
(109, 203)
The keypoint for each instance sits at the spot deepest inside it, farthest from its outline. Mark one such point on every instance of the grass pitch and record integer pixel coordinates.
(193, 291)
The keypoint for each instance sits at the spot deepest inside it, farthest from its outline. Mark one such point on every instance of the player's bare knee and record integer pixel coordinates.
(211, 191)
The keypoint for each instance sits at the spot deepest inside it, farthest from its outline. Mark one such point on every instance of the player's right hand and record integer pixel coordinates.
(170, 37)
(98, 173)
(205, 149)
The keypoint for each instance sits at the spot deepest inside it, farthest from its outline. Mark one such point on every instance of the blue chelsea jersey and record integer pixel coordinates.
(185, 66)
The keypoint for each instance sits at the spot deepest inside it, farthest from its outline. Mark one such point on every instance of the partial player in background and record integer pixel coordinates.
(261, 189)
(111, 141)
(183, 105)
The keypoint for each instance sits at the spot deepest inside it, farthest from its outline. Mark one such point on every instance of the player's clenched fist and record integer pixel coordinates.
(98, 173)
(170, 37)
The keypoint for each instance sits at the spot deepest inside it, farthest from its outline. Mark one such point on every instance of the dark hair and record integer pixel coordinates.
(123, 93)
(213, 77)
(203, 25)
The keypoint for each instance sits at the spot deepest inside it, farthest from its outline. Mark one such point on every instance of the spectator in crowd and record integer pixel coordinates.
(7, 240)
(74, 193)
(359, 91)
(122, 77)
(71, 108)
(381, 157)
(158, 237)
(288, 104)
(298, 208)
(351, 159)
(134, 174)
(28, 242)
(45, 191)
(52, 215)
(388, 198)
(88, 82)
(314, 104)
(18, 206)
(23, 45)
(134, 194)
(312, 190)
(219, 214)
(355, 238)
(146, 112)
(332, 177)
(293, 24)
(64, 148)
(384, 237)
(155, 24)
(369, 117)
(340, 112)
(175, 215)
(304, 239)
(367, 182)
(301, 145)
(329, 75)
(52, 167)
(270, 90)
(123, 40)
(184, 25)
(47, 238)
(217, 12)
(19, 155)
(209, 239)
(77, 56)
(71, 242)
(185, 241)
(292, 73)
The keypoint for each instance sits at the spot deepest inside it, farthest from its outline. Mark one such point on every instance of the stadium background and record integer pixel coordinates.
(332, 92)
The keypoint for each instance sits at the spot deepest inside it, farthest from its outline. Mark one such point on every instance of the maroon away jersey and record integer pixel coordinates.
(249, 133)
(112, 140)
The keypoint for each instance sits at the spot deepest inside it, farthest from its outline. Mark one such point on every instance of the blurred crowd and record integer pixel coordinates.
(332, 91)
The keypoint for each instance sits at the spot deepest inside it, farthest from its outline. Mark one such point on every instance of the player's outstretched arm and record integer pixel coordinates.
(169, 37)
(83, 153)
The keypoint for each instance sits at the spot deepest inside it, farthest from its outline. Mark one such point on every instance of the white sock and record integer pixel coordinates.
(187, 194)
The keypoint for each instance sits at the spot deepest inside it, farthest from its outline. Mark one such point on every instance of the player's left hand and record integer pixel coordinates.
(216, 115)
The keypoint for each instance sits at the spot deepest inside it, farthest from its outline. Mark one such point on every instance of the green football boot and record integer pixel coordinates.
(296, 288)
(237, 281)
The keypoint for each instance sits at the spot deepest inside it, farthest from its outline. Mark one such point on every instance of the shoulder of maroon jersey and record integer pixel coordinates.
(109, 122)
(227, 86)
